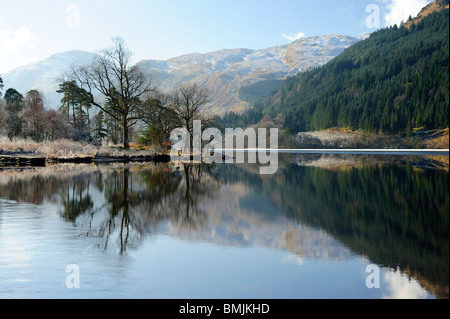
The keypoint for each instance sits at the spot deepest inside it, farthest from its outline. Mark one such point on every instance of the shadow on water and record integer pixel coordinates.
(397, 215)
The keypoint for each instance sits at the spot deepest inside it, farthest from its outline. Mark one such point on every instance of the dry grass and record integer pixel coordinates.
(341, 138)
(64, 148)
(440, 140)
(328, 138)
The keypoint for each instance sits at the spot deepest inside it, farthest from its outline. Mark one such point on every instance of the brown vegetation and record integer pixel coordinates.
(336, 138)
(25, 153)
(434, 6)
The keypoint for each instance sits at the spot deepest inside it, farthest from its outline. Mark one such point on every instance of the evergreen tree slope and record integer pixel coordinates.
(394, 81)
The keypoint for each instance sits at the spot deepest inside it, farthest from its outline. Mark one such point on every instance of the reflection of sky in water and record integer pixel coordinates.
(236, 243)
(400, 286)
(36, 246)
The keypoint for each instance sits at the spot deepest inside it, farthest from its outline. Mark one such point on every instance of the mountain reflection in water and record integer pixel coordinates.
(396, 216)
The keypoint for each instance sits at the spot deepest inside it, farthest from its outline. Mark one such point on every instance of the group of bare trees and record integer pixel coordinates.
(162, 113)
(123, 94)
(128, 96)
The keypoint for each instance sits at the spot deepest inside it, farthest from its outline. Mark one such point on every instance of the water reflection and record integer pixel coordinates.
(395, 215)
(75, 197)
(122, 205)
(138, 201)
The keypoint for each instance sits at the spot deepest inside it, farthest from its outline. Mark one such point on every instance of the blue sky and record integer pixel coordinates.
(33, 30)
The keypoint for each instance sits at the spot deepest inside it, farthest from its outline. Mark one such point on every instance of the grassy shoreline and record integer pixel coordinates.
(29, 153)
(66, 150)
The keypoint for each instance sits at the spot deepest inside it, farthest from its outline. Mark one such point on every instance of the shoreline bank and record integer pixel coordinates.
(42, 161)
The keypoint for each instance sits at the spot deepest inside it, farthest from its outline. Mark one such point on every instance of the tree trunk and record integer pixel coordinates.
(125, 137)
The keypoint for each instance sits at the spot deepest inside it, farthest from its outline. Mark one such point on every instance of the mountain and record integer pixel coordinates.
(44, 75)
(392, 82)
(224, 72)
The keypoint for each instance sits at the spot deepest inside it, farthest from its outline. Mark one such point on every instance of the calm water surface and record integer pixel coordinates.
(224, 231)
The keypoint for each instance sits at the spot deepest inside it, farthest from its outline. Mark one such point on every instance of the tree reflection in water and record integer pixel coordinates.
(396, 215)
(139, 201)
(75, 198)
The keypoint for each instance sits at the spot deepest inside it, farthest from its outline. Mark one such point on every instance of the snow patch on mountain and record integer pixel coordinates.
(223, 72)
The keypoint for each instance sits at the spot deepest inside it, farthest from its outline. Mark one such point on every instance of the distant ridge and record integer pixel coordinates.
(223, 72)
(396, 81)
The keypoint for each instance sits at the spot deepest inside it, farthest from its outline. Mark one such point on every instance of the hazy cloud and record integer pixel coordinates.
(400, 286)
(400, 10)
(11, 41)
(293, 37)
(295, 259)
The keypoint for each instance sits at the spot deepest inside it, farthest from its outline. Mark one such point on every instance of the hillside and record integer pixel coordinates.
(435, 6)
(392, 82)
(223, 72)
(45, 75)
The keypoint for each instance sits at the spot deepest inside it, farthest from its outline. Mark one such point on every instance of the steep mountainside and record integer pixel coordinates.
(394, 81)
(224, 72)
(435, 6)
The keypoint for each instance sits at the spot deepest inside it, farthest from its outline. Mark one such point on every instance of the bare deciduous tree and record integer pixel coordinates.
(56, 125)
(159, 117)
(122, 86)
(178, 109)
(187, 102)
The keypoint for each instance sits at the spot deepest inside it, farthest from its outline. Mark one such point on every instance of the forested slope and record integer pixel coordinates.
(394, 81)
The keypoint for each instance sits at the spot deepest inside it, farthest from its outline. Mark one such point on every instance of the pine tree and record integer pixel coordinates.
(1, 85)
(14, 105)
(99, 131)
(69, 101)
(72, 106)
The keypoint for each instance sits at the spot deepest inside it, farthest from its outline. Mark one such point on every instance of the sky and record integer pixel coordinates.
(33, 30)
